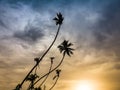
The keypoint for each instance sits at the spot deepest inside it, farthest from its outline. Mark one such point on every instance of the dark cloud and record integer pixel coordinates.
(2, 23)
(29, 34)
(108, 28)
(110, 21)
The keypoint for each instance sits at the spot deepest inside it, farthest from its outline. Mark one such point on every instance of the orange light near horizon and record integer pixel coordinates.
(85, 85)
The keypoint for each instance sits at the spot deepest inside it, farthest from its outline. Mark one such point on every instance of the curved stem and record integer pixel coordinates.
(51, 70)
(46, 76)
(35, 70)
(40, 59)
(54, 84)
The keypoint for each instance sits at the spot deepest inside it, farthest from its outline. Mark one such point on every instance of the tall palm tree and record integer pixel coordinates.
(64, 48)
(58, 20)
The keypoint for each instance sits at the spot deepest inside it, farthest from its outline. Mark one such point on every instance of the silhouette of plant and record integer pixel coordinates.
(65, 48)
(52, 58)
(32, 77)
(55, 77)
(17, 87)
(59, 19)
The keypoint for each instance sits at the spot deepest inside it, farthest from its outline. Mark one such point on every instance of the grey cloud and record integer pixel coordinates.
(25, 27)
(2, 24)
(14, 21)
(109, 25)
(30, 34)
(107, 30)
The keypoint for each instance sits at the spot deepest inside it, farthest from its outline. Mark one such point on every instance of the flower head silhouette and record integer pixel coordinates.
(59, 19)
(65, 48)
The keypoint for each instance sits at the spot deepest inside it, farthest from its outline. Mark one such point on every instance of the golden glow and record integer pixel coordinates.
(85, 85)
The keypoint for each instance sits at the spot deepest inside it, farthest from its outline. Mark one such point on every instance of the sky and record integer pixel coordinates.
(93, 26)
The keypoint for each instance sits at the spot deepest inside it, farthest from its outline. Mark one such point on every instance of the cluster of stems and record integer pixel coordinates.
(32, 76)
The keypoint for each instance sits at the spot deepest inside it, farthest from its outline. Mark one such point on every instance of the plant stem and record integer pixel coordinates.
(54, 84)
(40, 59)
(51, 70)
(46, 76)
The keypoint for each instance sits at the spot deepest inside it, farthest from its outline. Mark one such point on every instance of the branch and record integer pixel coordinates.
(40, 59)
(47, 75)
(51, 70)
(54, 84)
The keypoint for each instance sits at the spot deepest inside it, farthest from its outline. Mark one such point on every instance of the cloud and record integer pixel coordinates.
(108, 28)
(109, 23)
(95, 32)
(30, 34)
(2, 24)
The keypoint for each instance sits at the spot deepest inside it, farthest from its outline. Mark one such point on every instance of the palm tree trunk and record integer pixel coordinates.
(40, 59)
(51, 70)
(54, 84)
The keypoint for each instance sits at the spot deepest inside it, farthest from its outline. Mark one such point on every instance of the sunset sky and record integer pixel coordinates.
(93, 26)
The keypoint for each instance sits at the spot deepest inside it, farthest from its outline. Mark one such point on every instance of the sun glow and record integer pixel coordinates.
(85, 85)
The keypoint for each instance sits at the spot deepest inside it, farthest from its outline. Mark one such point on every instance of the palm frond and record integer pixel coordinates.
(59, 19)
(65, 48)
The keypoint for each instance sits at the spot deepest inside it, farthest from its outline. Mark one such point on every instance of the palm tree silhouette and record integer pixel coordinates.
(64, 48)
(58, 20)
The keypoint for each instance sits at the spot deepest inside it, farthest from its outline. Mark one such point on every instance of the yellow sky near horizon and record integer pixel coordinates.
(100, 73)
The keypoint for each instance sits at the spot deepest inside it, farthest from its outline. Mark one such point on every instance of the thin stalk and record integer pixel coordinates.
(40, 59)
(54, 84)
(35, 70)
(47, 75)
(51, 70)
